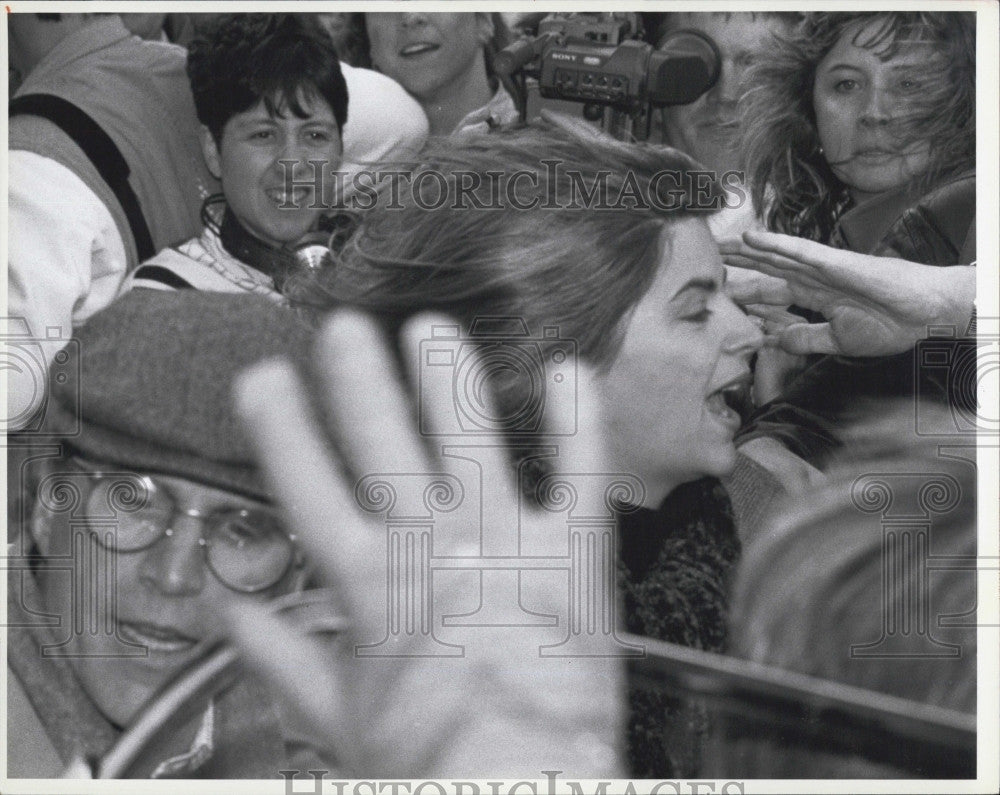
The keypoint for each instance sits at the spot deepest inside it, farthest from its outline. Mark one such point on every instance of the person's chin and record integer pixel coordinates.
(119, 688)
(875, 179)
(287, 234)
(718, 460)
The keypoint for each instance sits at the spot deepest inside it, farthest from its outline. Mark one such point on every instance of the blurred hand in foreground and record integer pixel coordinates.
(499, 708)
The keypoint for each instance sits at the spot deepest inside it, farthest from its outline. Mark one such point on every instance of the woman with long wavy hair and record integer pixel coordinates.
(851, 107)
(860, 134)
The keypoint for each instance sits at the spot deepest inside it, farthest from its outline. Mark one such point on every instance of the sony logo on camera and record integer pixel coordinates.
(499, 376)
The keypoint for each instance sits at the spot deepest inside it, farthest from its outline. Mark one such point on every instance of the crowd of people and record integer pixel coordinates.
(223, 347)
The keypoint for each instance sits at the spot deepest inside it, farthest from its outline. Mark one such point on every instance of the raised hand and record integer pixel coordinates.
(499, 708)
(873, 306)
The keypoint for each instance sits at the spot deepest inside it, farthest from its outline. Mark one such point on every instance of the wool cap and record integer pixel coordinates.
(149, 382)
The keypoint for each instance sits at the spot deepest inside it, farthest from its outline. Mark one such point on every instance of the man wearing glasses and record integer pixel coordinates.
(142, 517)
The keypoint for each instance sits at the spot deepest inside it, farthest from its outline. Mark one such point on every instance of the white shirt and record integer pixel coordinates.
(67, 259)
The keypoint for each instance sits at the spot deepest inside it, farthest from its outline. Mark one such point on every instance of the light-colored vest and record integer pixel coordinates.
(138, 92)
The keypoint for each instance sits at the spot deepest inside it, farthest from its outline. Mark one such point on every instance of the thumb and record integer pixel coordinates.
(297, 666)
(803, 338)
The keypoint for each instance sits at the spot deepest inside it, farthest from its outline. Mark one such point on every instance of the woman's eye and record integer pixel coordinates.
(261, 135)
(318, 136)
(698, 317)
(845, 86)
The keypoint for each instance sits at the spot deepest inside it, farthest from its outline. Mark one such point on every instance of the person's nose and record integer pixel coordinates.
(744, 337)
(878, 107)
(412, 19)
(291, 158)
(175, 565)
(727, 88)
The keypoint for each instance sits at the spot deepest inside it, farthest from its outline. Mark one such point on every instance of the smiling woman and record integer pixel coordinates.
(272, 103)
(445, 61)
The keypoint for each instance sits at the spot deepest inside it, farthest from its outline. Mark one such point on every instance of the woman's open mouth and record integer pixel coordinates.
(156, 637)
(732, 402)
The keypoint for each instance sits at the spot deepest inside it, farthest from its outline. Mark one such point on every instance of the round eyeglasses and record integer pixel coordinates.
(246, 549)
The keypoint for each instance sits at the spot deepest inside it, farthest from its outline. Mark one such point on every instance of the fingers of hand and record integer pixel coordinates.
(807, 338)
(795, 259)
(747, 286)
(773, 318)
(790, 248)
(366, 399)
(290, 446)
(449, 370)
(828, 266)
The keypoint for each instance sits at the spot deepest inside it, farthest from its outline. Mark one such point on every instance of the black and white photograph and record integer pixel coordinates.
(480, 398)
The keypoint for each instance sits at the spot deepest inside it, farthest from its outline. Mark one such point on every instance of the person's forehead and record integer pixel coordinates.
(307, 98)
(863, 41)
(730, 31)
(688, 251)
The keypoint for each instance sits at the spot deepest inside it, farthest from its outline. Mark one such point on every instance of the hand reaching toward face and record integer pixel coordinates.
(873, 306)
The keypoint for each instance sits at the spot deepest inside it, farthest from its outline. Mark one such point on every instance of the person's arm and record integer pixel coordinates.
(66, 261)
(874, 306)
(500, 706)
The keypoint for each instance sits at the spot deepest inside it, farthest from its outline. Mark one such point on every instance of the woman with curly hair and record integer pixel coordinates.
(850, 108)
(860, 134)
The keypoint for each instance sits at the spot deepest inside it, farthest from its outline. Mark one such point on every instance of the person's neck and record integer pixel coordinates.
(453, 102)
(860, 196)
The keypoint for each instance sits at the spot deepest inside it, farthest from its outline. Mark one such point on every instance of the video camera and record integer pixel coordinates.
(600, 60)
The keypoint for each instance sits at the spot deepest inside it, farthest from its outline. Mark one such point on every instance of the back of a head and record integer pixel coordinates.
(550, 223)
(853, 585)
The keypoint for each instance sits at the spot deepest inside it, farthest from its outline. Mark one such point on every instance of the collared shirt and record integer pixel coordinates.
(498, 112)
(201, 263)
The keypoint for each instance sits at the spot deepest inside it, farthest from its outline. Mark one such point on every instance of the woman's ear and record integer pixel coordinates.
(210, 151)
